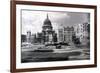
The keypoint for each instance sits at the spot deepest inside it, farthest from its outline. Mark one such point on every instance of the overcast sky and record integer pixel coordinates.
(33, 20)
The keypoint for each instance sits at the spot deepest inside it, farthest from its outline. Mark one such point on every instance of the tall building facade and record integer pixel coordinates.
(60, 35)
(28, 37)
(65, 34)
(82, 32)
(68, 33)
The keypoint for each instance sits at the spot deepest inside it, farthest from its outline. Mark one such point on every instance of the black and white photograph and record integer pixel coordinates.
(52, 36)
(48, 36)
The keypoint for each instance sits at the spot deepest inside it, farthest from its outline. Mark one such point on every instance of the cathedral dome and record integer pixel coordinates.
(47, 22)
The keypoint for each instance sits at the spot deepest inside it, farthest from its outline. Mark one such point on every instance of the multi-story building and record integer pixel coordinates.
(33, 38)
(39, 38)
(68, 33)
(28, 36)
(60, 35)
(65, 34)
(82, 33)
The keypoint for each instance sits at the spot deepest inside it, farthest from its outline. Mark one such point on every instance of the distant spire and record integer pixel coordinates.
(47, 16)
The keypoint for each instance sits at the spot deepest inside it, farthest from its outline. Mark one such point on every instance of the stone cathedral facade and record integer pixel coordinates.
(48, 34)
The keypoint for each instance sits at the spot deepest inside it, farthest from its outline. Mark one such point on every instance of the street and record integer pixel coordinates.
(33, 54)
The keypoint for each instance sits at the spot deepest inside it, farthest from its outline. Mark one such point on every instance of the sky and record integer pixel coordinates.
(33, 20)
